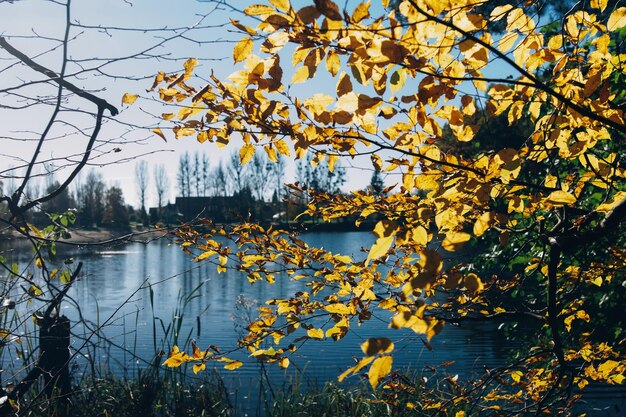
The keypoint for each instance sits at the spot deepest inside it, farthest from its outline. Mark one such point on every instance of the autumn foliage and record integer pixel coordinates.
(546, 218)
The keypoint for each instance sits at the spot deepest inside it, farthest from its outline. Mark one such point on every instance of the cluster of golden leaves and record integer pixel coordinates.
(399, 79)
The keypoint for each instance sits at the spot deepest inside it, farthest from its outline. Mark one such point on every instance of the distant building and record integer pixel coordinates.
(217, 209)
(168, 214)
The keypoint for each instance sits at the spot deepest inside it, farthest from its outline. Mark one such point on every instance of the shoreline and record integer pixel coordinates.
(105, 237)
(101, 236)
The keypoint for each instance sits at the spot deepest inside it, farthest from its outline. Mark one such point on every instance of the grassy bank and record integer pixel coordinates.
(160, 394)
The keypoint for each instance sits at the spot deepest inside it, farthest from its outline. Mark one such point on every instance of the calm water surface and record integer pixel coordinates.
(221, 303)
(135, 291)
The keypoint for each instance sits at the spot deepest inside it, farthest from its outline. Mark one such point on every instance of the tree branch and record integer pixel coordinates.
(77, 169)
(538, 83)
(101, 103)
(553, 263)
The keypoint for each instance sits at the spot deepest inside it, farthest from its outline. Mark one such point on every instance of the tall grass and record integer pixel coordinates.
(146, 388)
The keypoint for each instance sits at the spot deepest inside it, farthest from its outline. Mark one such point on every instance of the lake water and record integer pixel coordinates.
(133, 292)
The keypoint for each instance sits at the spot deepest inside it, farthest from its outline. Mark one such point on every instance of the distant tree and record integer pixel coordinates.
(218, 181)
(197, 175)
(32, 189)
(205, 174)
(3, 204)
(261, 173)
(376, 183)
(91, 206)
(10, 185)
(161, 184)
(61, 202)
(237, 173)
(314, 172)
(184, 175)
(277, 170)
(115, 213)
(141, 172)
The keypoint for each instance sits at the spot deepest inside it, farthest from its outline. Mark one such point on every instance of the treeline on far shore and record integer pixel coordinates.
(258, 188)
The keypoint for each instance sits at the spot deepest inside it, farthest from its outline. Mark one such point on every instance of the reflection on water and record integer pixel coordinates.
(115, 286)
(136, 291)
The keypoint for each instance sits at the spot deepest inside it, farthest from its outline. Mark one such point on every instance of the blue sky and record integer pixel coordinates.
(23, 19)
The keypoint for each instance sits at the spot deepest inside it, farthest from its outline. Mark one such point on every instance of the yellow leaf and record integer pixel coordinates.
(473, 283)
(599, 4)
(384, 231)
(317, 103)
(185, 112)
(580, 314)
(518, 20)
(282, 147)
(128, 98)
(348, 102)
(202, 136)
(561, 198)
(189, 65)
(205, 255)
(420, 235)
(283, 363)
(467, 133)
(259, 10)
(271, 153)
(379, 369)
(315, 333)
(246, 153)
(333, 64)
(507, 41)
(483, 223)
(176, 358)
(198, 367)
(375, 346)
(34, 290)
(377, 162)
(454, 240)
(243, 49)
(232, 365)
(385, 228)
(282, 5)
(617, 20)
(397, 80)
(517, 375)
(301, 75)
(179, 132)
(362, 364)
(361, 12)
(379, 248)
(499, 12)
(338, 308)
(159, 132)
(35, 230)
(263, 352)
(332, 158)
